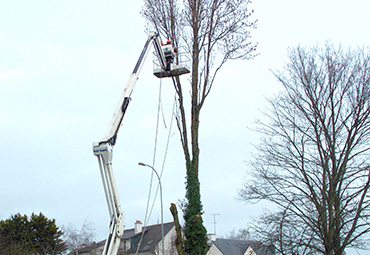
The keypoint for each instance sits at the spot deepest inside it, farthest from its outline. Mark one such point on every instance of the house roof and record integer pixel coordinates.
(152, 236)
(239, 247)
(89, 248)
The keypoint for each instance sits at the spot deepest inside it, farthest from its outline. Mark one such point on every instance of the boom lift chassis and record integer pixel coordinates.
(104, 148)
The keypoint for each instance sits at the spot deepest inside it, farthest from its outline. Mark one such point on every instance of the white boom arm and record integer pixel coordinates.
(104, 150)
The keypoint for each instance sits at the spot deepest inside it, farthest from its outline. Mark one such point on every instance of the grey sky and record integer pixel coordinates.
(63, 67)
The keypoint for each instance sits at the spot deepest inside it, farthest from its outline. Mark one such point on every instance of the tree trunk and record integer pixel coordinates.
(179, 242)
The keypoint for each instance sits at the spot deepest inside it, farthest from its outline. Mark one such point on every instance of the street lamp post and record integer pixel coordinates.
(160, 190)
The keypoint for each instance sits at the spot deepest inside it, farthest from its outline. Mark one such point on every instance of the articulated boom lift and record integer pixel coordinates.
(104, 148)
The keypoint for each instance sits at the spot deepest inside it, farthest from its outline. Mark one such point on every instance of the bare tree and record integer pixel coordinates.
(76, 239)
(313, 161)
(242, 234)
(285, 231)
(212, 32)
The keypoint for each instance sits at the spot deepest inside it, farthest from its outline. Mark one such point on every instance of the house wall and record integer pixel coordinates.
(169, 243)
(214, 251)
(250, 251)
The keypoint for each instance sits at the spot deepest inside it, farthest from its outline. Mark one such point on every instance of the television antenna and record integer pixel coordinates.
(214, 221)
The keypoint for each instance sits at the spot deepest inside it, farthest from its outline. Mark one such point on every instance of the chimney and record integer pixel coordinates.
(211, 237)
(138, 227)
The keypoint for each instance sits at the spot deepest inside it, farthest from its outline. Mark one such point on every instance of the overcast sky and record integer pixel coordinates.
(63, 67)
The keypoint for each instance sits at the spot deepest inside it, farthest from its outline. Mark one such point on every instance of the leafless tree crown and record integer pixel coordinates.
(313, 161)
(211, 31)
